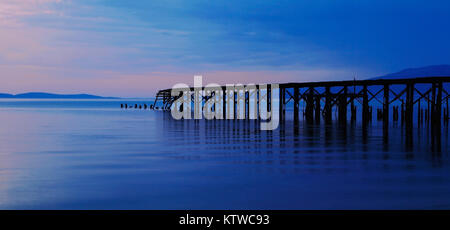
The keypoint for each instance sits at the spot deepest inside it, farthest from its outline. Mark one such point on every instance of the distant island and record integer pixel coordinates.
(40, 95)
(427, 71)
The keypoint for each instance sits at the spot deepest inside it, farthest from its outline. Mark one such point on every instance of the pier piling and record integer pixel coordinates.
(328, 108)
(296, 106)
(343, 106)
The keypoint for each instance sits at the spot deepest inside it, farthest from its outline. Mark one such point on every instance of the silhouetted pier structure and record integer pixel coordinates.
(320, 99)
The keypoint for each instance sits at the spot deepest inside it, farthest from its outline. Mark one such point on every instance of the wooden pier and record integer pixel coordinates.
(427, 95)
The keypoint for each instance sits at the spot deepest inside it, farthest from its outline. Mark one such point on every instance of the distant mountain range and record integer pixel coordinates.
(427, 71)
(39, 95)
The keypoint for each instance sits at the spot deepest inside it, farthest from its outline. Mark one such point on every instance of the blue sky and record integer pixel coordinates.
(132, 48)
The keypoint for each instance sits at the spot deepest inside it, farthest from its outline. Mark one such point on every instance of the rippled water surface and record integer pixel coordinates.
(93, 155)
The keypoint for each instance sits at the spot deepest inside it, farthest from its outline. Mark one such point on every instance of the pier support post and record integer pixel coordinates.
(343, 106)
(269, 97)
(247, 105)
(429, 107)
(409, 105)
(296, 106)
(438, 105)
(317, 112)
(365, 109)
(353, 109)
(224, 102)
(433, 103)
(310, 105)
(257, 102)
(235, 100)
(386, 106)
(282, 100)
(327, 107)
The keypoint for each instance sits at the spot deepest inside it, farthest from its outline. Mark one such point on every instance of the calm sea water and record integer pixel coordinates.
(60, 154)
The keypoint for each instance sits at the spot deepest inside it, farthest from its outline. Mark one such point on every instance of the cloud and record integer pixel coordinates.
(133, 48)
(45, 47)
(13, 11)
(19, 42)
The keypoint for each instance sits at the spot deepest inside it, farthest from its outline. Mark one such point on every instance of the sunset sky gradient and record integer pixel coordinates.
(132, 48)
